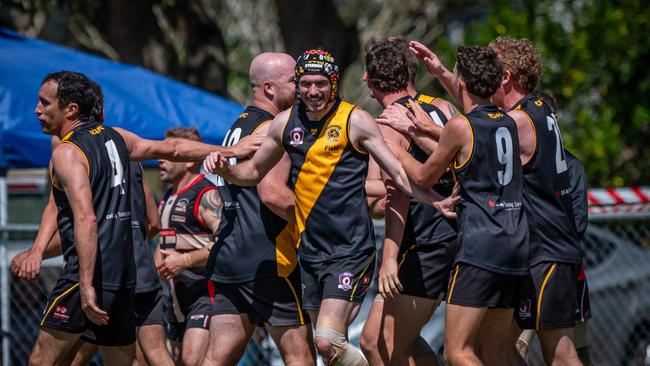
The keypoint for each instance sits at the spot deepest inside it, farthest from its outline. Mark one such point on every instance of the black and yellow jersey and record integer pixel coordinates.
(253, 241)
(548, 189)
(328, 175)
(424, 224)
(492, 226)
(108, 169)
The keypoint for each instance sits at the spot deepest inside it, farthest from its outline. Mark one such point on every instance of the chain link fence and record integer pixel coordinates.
(617, 260)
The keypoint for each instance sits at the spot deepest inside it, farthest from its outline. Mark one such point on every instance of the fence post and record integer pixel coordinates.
(5, 303)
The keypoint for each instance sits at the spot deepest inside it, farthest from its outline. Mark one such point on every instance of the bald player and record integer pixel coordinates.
(254, 262)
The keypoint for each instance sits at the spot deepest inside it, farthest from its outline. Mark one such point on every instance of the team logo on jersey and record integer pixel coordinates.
(345, 281)
(181, 205)
(333, 134)
(297, 135)
(524, 309)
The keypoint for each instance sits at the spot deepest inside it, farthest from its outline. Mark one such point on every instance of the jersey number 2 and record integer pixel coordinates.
(560, 160)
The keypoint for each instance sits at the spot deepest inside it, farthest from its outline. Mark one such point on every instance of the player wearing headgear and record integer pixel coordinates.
(328, 141)
(254, 261)
(420, 243)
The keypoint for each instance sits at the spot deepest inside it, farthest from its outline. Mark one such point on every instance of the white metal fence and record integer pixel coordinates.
(617, 258)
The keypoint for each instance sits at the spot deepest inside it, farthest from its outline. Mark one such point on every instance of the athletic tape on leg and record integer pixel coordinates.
(346, 354)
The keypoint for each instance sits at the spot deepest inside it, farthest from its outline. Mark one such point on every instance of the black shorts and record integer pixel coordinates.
(149, 308)
(63, 313)
(424, 270)
(475, 287)
(190, 308)
(345, 278)
(549, 298)
(274, 301)
(583, 309)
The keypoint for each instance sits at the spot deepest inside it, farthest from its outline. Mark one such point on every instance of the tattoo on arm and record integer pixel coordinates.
(211, 202)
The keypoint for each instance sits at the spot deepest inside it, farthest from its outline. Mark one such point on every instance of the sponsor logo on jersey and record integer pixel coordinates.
(345, 281)
(515, 205)
(332, 148)
(495, 115)
(178, 218)
(96, 130)
(524, 309)
(60, 313)
(197, 317)
(314, 131)
(296, 135)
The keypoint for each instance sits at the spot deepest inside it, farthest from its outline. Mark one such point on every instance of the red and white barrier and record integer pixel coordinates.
(619, 201)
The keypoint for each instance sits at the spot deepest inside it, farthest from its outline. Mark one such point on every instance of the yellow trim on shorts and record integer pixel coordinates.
(541, 293)
(354, 289)
(404, 256)
(295, 295)
(453, 283)
(56, 300)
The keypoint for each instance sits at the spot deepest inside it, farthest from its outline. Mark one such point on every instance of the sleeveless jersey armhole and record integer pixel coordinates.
(534, 154)
(347, 133)
(471, 153)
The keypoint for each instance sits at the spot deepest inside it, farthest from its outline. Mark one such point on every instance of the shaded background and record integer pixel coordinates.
(595, 52)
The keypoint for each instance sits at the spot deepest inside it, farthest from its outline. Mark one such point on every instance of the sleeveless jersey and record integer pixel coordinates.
(548, 193)
(146, 274)
(253, 241)
(108, 167)
(424, 224)
(493, 231)
(328, 176)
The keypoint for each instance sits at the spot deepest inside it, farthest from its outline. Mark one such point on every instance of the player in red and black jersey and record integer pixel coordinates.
(190, 211)
(254, 262)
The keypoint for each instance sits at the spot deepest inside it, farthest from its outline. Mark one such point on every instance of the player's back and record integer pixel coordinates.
(548, 193)
(493, 232)
(253, 241)
(108, 169)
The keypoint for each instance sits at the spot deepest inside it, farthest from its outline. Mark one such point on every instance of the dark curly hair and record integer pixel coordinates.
(411, 61)
(189, 133)
(387, 66)
(75, 87)
(480, 68)
(521, 58)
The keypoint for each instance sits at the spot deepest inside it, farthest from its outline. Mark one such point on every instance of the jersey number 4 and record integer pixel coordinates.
(116, 163)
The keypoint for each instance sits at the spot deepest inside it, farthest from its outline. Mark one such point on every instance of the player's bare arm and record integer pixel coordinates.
(152, 217)
(174, 263)
(396, 116)
(435, 67)
(30, 263)
(365, 135)
(71, 173)
(375, 190)
(397, 205)
(526, 134)
(184, 150)
(273, 190)
(455, 142)
(251, 172)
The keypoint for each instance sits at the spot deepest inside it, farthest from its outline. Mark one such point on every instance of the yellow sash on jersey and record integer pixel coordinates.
(320, 161)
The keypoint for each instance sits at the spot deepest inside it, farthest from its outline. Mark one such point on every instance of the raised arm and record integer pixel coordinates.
(435, 67)
(71, 172)
(184, 150)
(273, 190)
(251, 172)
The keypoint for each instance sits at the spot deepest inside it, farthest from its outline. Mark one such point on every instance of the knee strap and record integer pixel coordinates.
(346, 354)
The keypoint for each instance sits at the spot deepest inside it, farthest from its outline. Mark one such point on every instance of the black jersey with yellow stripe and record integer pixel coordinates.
(424, 224)
(493, 230)
(108, 168)
(328, 175)
(253, 241)
(548, 189)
